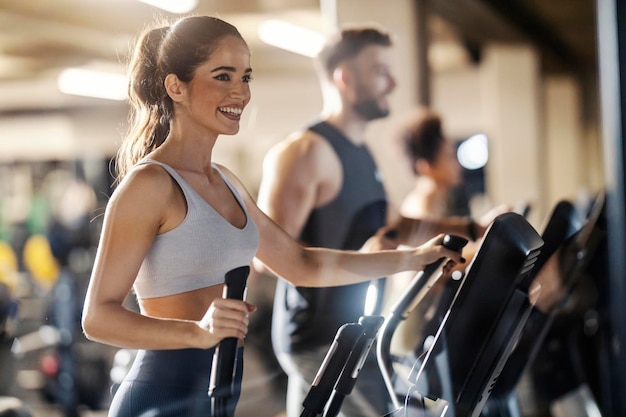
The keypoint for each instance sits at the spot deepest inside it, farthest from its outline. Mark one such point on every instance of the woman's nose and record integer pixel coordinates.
(241, 90)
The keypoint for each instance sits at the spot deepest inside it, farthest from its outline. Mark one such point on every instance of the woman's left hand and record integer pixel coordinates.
(434, 250)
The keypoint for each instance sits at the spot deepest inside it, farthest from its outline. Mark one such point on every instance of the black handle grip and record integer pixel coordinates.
(235, 282)
(454, 242)
(370, 324)
(330, 370)
(225, 356)
(355, 362)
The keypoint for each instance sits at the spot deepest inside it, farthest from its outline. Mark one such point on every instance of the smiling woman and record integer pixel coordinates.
(178, 72)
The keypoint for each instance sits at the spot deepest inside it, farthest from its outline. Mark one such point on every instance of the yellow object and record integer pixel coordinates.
(39, 260)
(8, 265)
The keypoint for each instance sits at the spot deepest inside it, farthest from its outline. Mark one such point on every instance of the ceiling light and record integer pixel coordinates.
(90, 83)
(291, 37)
(473, 152)
(173, 6)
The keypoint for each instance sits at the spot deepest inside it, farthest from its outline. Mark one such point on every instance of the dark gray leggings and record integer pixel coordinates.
(167, 383)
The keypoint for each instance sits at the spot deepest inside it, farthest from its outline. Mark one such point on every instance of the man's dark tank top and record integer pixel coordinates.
(306, 318)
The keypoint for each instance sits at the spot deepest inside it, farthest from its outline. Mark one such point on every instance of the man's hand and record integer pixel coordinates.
(486, 219)
(385, 238)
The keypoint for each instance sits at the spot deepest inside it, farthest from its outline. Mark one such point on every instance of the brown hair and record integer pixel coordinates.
(422, 136)
(179, 49)
(346, 44)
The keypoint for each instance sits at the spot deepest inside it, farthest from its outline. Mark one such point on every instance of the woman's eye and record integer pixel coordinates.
(247, 78)
(223, 77)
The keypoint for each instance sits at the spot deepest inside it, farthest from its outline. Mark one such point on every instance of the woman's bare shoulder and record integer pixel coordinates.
(145, 185)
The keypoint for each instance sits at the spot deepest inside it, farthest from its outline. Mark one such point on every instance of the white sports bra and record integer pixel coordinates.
(199, 251)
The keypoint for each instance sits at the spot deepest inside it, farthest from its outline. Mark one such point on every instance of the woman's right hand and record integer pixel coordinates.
(225, 318)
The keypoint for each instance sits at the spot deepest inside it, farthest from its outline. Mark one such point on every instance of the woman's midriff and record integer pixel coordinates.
(190, 305)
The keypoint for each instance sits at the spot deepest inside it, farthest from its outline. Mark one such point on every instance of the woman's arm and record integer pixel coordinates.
(141, 207)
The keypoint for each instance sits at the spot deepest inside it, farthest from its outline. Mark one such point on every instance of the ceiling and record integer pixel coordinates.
(39, 38)
(564, 31)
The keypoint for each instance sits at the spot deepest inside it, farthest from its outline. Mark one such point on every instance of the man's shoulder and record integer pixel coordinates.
(304, 144)
(304, 156)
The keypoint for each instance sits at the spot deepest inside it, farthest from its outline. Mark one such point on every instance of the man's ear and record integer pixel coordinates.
(341, 77)
(174, 87)
(422, 167)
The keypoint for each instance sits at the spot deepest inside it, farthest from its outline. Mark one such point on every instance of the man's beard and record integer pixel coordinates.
(370, 110)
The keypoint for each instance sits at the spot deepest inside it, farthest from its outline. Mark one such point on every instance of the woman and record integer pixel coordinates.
(432, 158)
(177, 222)
(434, 163)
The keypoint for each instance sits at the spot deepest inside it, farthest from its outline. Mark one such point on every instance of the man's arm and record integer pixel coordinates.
(299, 174)
(414, 232)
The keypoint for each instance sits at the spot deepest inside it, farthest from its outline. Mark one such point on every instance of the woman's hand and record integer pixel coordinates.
(225, 318)
(434, 250)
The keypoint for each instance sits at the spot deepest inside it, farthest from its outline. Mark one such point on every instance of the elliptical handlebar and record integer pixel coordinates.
(224, 360)
(346, 338)
(355, 362)
(419, 286)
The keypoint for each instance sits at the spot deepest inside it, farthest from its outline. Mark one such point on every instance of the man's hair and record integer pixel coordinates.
(346, 44)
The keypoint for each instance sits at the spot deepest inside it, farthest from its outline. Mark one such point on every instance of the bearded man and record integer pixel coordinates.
(321, 185)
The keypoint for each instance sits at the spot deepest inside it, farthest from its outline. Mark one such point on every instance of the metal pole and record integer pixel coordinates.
(611, 27)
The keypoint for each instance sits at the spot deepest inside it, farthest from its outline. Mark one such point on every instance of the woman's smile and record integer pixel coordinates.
(233, 113)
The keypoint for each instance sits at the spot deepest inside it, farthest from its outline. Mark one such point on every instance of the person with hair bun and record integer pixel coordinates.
(431, 155)
(433, 161)
(177, 222)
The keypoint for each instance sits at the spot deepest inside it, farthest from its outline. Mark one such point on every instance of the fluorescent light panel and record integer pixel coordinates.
(173, 6)
(291, 37)
(90, 83)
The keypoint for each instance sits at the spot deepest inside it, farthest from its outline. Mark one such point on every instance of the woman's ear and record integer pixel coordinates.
(175, 87)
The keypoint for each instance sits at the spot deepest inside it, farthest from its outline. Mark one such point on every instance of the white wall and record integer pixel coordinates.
(563, 145)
